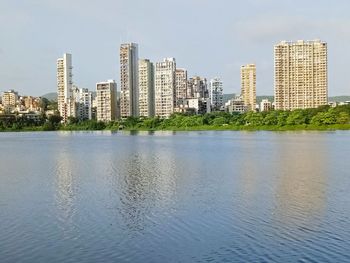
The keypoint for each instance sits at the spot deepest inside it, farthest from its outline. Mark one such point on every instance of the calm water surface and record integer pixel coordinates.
(175, 197)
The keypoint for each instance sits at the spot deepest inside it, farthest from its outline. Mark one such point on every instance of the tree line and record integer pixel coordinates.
(323, 117)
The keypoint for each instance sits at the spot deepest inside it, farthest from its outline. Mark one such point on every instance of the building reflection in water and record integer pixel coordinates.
(65, 192)
(302, 172)
(144, 181)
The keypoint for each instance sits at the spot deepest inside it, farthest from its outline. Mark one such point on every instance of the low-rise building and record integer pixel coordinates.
(236, 105)
(265, 105)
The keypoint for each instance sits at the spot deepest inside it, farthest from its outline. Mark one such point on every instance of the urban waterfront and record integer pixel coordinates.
(216, 196)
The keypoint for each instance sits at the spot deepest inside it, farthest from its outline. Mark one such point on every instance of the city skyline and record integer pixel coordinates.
(243, 38)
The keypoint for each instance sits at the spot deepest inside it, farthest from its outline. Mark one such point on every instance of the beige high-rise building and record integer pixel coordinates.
(180, 86)
(146, 88)
(129, 89)
(9, 100)
(248, 86)
(165, 87)
(66, 104)
(301, 78)
(106, 100)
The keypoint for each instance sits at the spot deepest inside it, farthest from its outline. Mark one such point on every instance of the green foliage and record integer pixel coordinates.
(219, 121)
(321, 118)
(254, 119)
(297, 117)
(343, 118)
(324, 118)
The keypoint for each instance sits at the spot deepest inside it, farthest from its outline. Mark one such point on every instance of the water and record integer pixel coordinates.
(175, 197)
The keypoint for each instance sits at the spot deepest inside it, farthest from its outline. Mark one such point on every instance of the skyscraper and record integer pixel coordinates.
(146, 88)
(180, 86)
(165, 87)
(197, 87)
(301, 79)
(129, 89)
(248, 86)
(106, 100)
(83, 100)
(216, 93)
(66, 105)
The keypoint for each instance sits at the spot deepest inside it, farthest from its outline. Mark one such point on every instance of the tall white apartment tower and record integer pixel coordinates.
(146, 88)
(64, 87)
(248, 86)
(165, 87)
(180, 85)
(129, 87)
(83, 100)
(106, 100)
(301, 78)
(216, 94)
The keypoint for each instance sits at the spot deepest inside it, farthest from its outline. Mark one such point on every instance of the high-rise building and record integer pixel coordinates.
(165, 87)
(197, 87)
(106, 100)
(146, 88)
(248, 86)
(129, 89)
(301, 79)
(83, 100)
(180, 85)
(216, 94)
(66, 105)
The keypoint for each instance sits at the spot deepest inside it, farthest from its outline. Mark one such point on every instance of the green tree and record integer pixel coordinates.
(253, 118)
(343, 118)
(297, 117)
(282, 118)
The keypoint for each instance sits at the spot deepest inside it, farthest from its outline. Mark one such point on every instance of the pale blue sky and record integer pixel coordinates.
(209, 38)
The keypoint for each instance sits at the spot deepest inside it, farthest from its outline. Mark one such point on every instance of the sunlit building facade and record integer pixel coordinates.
(248, 86)
(106, 100)
(146, 88)
(66, 104)
(165, 87)
(301, 78)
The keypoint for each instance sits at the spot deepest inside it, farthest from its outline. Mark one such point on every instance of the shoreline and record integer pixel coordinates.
(335, 127)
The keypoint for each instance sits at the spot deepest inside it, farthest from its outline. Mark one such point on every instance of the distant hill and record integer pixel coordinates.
(229, 96)
(339, 98)
(50, 96)
(53, 96)
(272, 98)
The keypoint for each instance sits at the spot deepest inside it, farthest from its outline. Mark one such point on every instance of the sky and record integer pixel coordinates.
(210, 38)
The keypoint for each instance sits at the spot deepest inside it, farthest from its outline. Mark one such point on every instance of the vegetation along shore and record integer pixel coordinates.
(322, 118)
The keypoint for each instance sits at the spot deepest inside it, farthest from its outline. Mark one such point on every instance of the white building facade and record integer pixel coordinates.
(66, 105)
(165, 87)
(216, 94)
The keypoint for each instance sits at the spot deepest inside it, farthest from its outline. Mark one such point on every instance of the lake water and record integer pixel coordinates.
(175, 197)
